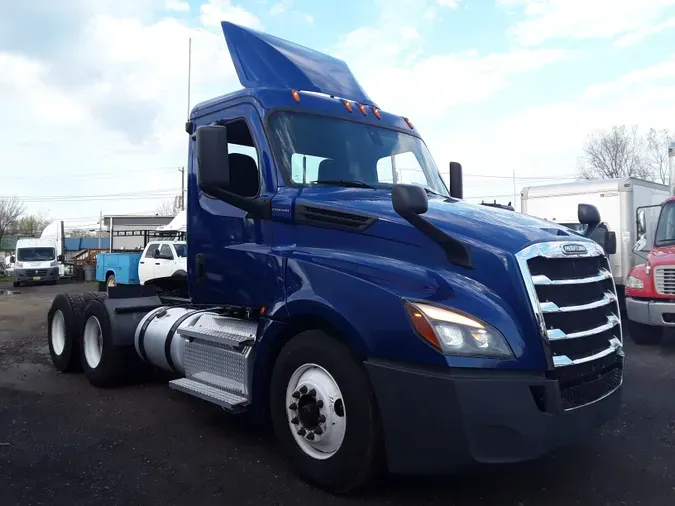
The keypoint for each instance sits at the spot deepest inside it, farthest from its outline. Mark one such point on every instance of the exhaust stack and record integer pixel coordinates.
(671, 172)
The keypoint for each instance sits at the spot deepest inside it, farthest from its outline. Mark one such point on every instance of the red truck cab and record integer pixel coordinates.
(650, 287)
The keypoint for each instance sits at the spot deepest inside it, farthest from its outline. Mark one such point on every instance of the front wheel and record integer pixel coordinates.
(324, 413)
(644, 334)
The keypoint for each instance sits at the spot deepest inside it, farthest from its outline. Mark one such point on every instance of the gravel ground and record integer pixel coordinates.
(63, 442)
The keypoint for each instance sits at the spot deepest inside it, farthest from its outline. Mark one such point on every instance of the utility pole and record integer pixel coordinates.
(100, 228)
(514, 188)
(182, 188)
(189, 75)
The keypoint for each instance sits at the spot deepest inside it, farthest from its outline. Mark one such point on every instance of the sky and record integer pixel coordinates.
(94, 92)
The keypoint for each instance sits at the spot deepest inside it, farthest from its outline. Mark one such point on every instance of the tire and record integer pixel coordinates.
(359, 457)
(644, 334)
(16, 284)
(103, 363)
(65, 320)
(110, 280)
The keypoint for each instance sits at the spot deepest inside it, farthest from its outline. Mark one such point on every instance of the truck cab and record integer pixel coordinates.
(35, 261)
(340, 291)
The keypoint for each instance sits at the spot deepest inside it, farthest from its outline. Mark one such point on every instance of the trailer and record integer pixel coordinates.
(375, 323)
(616, 199)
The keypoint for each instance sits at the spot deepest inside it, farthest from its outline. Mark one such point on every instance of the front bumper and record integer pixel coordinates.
(649, 312)
(440, 421)
(36, 275)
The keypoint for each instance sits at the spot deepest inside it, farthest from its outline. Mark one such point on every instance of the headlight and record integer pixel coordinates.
(55, 263)
(634, 283)
(455, 333)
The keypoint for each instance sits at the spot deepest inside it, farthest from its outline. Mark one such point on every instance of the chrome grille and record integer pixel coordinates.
(574, 300)
(664, 280)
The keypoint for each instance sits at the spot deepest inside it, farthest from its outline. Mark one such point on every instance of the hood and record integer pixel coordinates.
(476, 225)
(264, 61)
(661, 255)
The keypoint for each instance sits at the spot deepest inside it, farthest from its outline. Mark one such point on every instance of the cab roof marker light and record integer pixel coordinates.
(408, 122)
(348, 106)
(363, 110)
(296, 95)
(376, 112)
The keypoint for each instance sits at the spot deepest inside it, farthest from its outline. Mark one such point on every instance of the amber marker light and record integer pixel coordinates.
(408, 122)
(422, 325)
(363, 109)
(296, 95)
(348, 106)
(376, 112)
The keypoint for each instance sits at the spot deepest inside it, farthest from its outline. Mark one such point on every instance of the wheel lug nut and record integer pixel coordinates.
(319, 403)
(310, 436)
(293, 407)
(296, 394)
(312, 392)
(295, 421)
(318, 431)
(303, 389)
(322, 418)
(302, 432)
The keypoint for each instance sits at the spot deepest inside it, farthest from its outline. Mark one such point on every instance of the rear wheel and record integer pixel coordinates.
(644, 334)
(64, 329)
(103, 363)
(110, 281)
(324, 413)
(16, 284)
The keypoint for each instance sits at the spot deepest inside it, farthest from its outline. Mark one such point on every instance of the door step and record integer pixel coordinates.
(230, 332)
(222, 398)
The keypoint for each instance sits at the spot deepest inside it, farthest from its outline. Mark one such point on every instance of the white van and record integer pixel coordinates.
(35, 261)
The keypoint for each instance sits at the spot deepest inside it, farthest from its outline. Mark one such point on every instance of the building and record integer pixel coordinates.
(128, 230)
(76, 246)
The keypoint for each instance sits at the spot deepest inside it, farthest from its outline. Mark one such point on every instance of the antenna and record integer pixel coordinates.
(189, 75)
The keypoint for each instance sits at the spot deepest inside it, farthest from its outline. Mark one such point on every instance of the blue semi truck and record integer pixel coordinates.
(338, 290)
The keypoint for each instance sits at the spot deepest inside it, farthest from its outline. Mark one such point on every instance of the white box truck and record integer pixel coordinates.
(616, 199)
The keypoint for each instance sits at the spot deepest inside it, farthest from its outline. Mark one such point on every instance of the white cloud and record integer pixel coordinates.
(453, 4)
(177, 5)
(215, 11)
(639, 35)
(583, 19)
(110, 99)
(280, 7)
(309, 19)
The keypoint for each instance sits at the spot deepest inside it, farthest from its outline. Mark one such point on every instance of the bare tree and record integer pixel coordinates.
(168, 207)
(31, 224)
(614, 154)
(10, 210)
(657, 153)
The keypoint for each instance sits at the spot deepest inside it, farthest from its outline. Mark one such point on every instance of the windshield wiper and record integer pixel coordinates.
(432, 192)
(345, 182)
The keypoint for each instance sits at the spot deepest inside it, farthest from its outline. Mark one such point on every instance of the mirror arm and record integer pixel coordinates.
(260, 208)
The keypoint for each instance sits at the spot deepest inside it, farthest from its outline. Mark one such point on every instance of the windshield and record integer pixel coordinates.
(181, 249)
(35, 254)
(316, 150)
(665, 230)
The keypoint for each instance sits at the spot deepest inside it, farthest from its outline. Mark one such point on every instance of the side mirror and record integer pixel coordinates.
(213, 171)
(409, 199)
(12, 260)
(641, 223)
(640, 244)
(61, 258)
(588, 214)
(456, 183)
(610, 243)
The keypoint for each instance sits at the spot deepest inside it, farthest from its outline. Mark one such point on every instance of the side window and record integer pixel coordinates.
(165, 252)
(408, 169)
(243, 158)
(305, 168)
(151, 251)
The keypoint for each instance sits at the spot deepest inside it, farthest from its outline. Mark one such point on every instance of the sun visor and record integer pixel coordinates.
(264, 61)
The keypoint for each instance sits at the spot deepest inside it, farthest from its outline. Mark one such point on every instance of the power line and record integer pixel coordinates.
(88, 175)
(540, 178)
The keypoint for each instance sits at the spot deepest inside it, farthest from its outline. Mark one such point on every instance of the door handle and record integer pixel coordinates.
(141, 262)
(156, 263)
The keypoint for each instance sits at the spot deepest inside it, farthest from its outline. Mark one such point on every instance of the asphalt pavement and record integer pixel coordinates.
(64, 442)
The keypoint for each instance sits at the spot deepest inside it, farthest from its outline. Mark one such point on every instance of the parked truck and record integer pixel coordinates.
(40, 260)
(650, 286)
(371, 321)
(617, 201)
